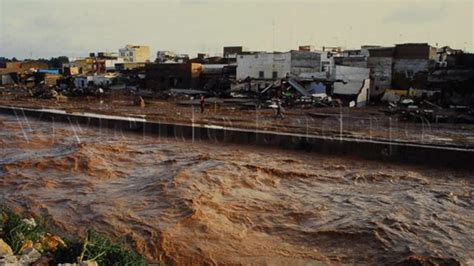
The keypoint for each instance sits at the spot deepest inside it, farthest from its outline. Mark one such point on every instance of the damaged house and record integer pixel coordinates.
(263, 65)
(172, 76)
(412, 62)
(456, 80)
(352, 84)
(276, 65)
(9, 72)
(380, 64)
(8, 78)
(216, 78)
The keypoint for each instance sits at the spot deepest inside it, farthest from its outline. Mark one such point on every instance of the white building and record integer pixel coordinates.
(277, 65)
(327, 62)
(135, 53)
(97, 80)
(355, 82)
(110, 63)
(263, 65)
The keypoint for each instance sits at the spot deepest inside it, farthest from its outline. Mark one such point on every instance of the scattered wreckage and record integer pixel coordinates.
(305, 91)
(290, 91)
(62, 94)
(425, 107)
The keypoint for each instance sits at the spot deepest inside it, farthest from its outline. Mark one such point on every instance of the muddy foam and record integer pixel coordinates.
(193, 203)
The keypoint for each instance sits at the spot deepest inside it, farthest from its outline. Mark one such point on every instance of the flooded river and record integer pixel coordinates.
(193, 203)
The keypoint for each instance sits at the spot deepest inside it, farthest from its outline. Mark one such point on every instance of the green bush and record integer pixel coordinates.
(15, 231)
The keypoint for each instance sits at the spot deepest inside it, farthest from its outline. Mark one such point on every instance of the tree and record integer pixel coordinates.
(57, 62)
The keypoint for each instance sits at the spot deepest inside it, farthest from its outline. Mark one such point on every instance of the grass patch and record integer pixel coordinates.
(20, 233)
(98, 248)
(16, 231)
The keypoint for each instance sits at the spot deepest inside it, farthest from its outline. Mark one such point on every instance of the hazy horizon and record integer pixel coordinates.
(34, 29)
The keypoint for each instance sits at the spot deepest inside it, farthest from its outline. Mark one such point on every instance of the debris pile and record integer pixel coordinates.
(411, 107)
(290, 91)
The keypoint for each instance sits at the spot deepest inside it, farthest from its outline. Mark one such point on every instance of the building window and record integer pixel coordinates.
(261, 74)
(274, 74)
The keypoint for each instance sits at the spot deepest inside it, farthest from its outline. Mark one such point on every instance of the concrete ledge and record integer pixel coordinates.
(435, 155)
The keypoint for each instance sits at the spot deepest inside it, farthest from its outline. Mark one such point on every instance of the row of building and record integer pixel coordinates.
(129, 57)
(403, 66)
(96, 69)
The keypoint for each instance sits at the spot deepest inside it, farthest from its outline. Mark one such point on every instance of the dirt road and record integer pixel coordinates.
(367, 122)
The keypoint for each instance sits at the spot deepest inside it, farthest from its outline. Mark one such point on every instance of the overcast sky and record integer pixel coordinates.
(45, 28)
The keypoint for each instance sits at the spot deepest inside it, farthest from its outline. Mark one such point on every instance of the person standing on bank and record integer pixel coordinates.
(279, 110)
(203, 103)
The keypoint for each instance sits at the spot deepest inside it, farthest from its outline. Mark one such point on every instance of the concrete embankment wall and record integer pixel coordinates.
(452, 157)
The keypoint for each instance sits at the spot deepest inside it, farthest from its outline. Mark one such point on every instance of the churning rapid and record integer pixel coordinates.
(192, 203)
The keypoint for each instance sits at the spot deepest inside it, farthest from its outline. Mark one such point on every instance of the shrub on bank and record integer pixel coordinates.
(26, 241)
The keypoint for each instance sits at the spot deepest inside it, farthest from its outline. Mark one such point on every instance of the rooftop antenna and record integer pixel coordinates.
(273, 44)
(350, 37)
(273, 34)
(291, 36)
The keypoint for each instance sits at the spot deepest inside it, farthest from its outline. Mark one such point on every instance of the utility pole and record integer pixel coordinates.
(273, 44)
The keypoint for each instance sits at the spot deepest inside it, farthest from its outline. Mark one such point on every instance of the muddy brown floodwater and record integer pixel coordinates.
(193, 203)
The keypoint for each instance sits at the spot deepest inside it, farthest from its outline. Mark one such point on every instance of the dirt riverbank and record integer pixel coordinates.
(367, 122)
